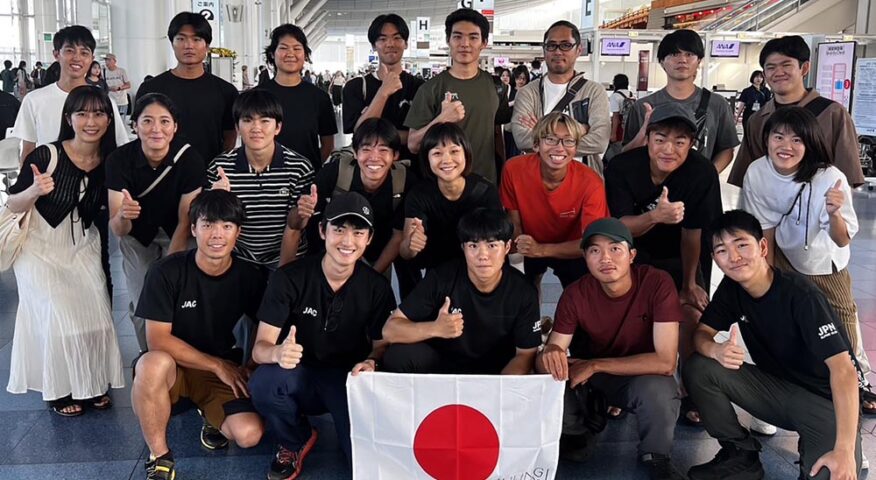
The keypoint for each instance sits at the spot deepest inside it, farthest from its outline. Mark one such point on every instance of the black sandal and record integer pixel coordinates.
(868, 397)
(58, 406)
(100, 402)
(688, 407)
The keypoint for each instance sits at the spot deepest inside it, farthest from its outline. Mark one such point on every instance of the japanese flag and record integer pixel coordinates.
(450, 427)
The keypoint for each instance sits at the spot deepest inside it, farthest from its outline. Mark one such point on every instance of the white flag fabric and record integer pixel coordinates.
(454, 427)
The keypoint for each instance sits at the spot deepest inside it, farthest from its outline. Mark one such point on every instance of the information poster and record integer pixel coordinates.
(835, 66)
(864, 106)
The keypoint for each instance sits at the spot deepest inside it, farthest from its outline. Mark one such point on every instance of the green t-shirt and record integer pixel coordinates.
(478, 96)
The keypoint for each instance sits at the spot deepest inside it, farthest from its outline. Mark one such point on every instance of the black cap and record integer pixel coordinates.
(609, 227)
(349, 204)
(671, 110)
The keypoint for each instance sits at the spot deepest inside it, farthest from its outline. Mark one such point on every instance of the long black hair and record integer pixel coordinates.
(800, 122)
(87, 98)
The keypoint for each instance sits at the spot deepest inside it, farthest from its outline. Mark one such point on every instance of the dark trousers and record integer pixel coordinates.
(284, 398)
(567, 270)
(424, 358)
(780, 402)
(652, 398)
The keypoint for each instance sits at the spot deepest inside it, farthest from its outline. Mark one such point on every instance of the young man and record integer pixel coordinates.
(7, 76)
(388, 92)
(588, 103)
(321, 318)
(191, 301)
(477, 316)
(804, 379)
(462, 94)
(680, 53)
(551, 199)
(267, 177)
(311, 134)
(117, 82)
(38, 74)
(203, 99)
(39, 119)
(373, 174)
(785, 61)
(628, 316)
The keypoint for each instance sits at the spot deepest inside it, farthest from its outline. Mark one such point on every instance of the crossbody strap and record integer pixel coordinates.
(570, 94)
(165, 172)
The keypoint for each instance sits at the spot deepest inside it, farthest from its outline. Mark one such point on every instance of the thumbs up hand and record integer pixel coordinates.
(452, 111)
(130, 208)
(43, 184)
(416, 236)
(304, 210)
(835, 198)
(288, 354)
(729, 354)
(223, 183)
(391, 81)
(448, 325)
(666, 211)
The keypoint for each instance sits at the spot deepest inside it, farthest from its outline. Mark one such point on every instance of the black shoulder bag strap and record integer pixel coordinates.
(570, 94)
(818, 105)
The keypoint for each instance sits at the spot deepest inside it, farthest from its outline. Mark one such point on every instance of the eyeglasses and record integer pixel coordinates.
(332, 318)
(554, 141)
(565, 46)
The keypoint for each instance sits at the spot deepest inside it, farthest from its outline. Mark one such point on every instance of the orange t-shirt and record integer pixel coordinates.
(557, 216)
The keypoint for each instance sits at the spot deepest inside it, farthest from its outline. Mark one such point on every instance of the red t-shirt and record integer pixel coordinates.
(557, 216)
(584, 304)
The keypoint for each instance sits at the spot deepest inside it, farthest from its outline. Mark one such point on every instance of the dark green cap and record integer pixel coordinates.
(609, 227)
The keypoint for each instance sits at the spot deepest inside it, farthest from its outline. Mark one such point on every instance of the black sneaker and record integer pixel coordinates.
(287, 465)
(160, 469)
(577, 448)
(660, 468)
(730, 463)
(211, 437)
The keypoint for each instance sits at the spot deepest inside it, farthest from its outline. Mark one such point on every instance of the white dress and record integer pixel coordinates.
(64, 340)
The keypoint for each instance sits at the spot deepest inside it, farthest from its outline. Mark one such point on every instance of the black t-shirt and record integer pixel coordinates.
(307, 115)
(494, 324)
(440, 216)
(204, 106)
(336, 329)
(789, 332)
(127, 168)
(9, 106)
(203, 309)
(397, 105)
(386, 219)
(630, 191)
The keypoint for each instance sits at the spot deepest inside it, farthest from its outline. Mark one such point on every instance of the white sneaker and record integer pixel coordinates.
(759, 426)
(865, 464)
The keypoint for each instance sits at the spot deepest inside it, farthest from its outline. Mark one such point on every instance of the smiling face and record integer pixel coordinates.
(216, 239)
(784, 74)
(289, 56)
(89, 126)
(739, 255)
(466, 43)
(607, 259)
(484, 259)
(558, 61)
(447, 161)
(188, 48)
(155, 127)
(258, 132)
(667, 150)
(375, 161)
(344, 243)
(75, 60)
(785, 149)
(390, 46)
(561, 153)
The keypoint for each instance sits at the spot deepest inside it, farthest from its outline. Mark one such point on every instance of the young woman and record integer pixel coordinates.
(752, 98)
(519, 79)
(95, 77)
(434, 207)
(151, 221)
(64, 343)
(804, 205)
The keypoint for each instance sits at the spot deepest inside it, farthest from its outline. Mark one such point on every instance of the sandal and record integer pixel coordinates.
(100, 402)
(689, 413)
(67, 407)
(868, 397)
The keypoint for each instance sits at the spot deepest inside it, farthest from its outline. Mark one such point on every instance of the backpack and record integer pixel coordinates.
(624, 112)
(347, 167)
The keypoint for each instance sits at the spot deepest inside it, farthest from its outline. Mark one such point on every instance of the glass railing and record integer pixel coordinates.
(753, 15)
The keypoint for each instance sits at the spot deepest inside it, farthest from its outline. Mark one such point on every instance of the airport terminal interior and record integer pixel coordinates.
(616, 37)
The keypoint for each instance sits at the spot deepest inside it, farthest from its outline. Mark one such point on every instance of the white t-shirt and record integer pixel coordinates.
(778, 202)
(553, 93)
(115, 79)
(39, 119)
(616, 100)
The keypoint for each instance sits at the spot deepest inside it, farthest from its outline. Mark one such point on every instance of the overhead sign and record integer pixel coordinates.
(588, 14)
(424, 25)
(725, 48)
(864, 106)
(483, 6)
(836, 63)
(209, 9)
(616, 46)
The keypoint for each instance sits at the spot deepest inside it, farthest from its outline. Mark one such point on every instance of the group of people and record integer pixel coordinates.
(259, 274)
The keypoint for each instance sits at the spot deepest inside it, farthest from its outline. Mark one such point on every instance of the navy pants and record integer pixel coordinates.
(284, 399)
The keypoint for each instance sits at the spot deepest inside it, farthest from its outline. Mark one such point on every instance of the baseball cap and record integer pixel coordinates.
(671, 110)
(609, 227)
(349, 204)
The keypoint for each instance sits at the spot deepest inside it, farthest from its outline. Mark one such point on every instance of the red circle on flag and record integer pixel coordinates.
(457, 442)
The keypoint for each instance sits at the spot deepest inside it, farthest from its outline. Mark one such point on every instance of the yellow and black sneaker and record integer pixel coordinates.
(211, 437)
(161, 468)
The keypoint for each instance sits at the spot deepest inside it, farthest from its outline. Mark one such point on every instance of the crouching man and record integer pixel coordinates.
(626, 348)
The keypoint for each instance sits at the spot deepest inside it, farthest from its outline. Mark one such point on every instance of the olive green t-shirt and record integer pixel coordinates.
(478, 96)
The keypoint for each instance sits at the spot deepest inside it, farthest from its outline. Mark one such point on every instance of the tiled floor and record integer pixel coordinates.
(35, 443)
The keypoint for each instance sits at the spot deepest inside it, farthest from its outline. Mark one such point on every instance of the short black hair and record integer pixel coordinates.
(576, 34)
(7, 63)
(381, 20)
(287, 29)
(75, 35)
(621, 82)
(154, 98)
(520, 70)
(755, 74)
(790, 46)
(256, 102)
(374, 130)
(38, 64)
(734, 221)
(354, 221)
(442, 134)
(536, 64)
(217, 206)
(87, 98)
(672, 125)
(801, 122)
(23, 64)
(198, 23)
(467, 15)
(683, 40)
(484, 224)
